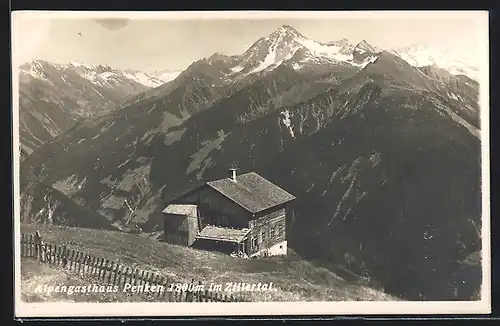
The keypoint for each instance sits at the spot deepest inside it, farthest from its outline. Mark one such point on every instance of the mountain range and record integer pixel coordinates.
(55, 97)
(382, 154)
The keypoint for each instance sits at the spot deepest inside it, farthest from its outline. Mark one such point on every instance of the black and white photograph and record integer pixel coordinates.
(251, 163)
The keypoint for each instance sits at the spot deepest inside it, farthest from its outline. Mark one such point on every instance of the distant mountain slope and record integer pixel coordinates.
(53, 97)
(383, 156)
(43, 204)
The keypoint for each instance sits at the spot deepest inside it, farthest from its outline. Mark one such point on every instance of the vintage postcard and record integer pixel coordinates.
(251, 163)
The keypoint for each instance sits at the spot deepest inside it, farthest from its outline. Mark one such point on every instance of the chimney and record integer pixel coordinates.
(232, 174)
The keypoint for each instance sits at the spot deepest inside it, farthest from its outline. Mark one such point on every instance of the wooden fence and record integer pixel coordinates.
(112, 273)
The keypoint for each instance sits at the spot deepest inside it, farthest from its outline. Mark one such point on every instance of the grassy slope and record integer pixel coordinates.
(35, 275)
(296, 279)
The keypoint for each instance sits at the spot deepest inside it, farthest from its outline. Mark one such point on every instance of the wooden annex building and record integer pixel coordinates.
(244, 215)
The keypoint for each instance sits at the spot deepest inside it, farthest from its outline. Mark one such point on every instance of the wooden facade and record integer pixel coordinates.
(262, 230)
(182, 229)
(267, 230)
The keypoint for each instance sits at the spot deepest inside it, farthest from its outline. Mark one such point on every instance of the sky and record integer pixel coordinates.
(151, 42)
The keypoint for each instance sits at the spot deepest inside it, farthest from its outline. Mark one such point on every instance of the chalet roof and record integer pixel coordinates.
(252, 192)
(181, 209)
(212, 232)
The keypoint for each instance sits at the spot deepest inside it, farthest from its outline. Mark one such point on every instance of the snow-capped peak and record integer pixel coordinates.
(143, 78)
(165, 75)
(364, 46)
(342, 42)
(283, 44)
(35, 69)
(78, 64)
(100, 75)
(420, 55)
(284, 32)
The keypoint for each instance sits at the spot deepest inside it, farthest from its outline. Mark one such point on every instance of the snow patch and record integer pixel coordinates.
(453, 96)
(166, 75)
(106, 75)
(269, 60)
(77, 64)
(330, 51)
(237, 69)
(144, 79)
(369, 60)
(287, 122)
(36, 70)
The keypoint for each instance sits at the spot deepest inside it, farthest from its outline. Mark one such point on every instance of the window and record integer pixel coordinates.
(254, 242)
(271, 233)
(280, 229)
(263, 237)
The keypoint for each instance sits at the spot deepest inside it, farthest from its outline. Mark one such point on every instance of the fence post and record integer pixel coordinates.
(86, 262)
(105, 270)
(38, 240)
(56, 256)
(92, 265)
(128, 275)
(162, 283)
(166, 290)
(79, 261)
(96, 267)
(64, 256)
(57, 253)
(141, 278)
(88, 265)
(114, 273)
(50, 255)
(71, 259)
(135, 277)
(100, 269)
(60, 256)
(190, 291)
(30, 246)
(199, 291)
(120, 271)
(111, 272)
